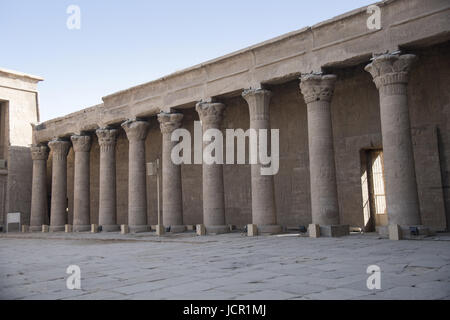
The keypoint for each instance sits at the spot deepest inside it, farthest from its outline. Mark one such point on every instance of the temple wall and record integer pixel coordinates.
(356, 126)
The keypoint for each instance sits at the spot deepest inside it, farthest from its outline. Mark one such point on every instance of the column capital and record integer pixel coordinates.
(135, 129)
(210, 113)
(317, 87)
(388, 69)
(258, 102)
(81, 143)
(60, 148)
(169, 121)
(39, 152)
(106, 138)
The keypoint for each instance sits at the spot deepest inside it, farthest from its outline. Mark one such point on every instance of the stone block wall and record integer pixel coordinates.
(356, 126)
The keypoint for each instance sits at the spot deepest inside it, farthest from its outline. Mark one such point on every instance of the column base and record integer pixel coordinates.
(110, 227)
(200, 230)
(177, 229)
(81, 228)
(57, 228)
(217, 229)
(35, 228)
(400, 232)
(269, 229)
(160, 230)
(330, 231)
(139, 229)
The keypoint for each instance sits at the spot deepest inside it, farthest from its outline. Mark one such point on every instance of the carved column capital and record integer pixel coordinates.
(59, 148)
(258, 103)
(106, 138)
(39, 152)
(135, 129)
(389, 69)
(81, 143)
(169, 122)
(210, 113)
(317, 87)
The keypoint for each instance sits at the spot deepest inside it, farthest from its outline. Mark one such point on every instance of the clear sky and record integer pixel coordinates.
(125, 43)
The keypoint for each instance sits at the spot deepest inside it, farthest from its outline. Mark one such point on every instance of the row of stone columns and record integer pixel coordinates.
(390, 73)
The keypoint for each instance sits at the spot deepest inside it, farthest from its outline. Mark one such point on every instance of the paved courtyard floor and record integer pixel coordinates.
(230, 266)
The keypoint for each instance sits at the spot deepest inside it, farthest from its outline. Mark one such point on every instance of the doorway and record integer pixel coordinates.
(373, 190)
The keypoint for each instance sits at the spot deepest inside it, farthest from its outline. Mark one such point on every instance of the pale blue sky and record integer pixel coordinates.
(126, 43)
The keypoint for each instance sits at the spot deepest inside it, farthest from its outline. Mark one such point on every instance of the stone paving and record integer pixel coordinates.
(229, 266)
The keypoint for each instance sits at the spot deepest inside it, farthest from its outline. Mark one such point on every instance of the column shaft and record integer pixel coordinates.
(212, 175)
(39, 208)
(318, 91)
(81, 190)
(390, 73)
(263, 194)
(137, 186)
(107, 191)
(172, 200)
(58, 214)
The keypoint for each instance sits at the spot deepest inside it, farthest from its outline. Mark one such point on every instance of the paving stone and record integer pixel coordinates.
(230, 266)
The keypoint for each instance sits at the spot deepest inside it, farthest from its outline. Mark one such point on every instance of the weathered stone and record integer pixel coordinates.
(68, 228)
(160, 229)
(211, 114)
(81, 208)
(137, 188)
(354, 111)
(124, 229)
(94, 228)
(395, 232)
(390, 73)
(263, 199)
(318, 91)
(201, 230)
(107, 190)
(39, 209)
(334, 231)
(172, 200)
(314, 231)
(252, 230)
(58, 214)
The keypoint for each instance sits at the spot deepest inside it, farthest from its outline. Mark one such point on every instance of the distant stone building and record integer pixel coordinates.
(18, 110)
(363, 142)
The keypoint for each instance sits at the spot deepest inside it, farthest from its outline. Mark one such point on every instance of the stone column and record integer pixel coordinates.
(38, 217)
(390, 73)
(58, 213)
(211, 114)
(264, 214)
(318, 91)
(81, 191)
(107, 191)
(172, 202)
(137, 191)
